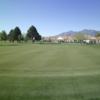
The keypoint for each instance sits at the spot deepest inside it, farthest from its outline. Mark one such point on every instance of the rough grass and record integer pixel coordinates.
(49, 72)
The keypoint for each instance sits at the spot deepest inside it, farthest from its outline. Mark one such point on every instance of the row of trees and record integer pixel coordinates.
(83, 36)
(16, 35)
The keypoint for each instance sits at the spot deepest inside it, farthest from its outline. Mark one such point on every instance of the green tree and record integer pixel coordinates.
(97, 34)
(32, 33)
(3, 36)
(80, 37)
(15, 34)
(11, 35)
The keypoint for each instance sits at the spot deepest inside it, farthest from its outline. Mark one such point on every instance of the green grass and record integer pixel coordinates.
(49, 72)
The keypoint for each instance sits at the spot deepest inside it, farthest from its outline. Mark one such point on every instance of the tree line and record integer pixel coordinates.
(16, 35)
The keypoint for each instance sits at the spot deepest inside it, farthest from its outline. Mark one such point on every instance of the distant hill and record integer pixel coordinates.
(85, 31)
(69, 33)
(89, 32)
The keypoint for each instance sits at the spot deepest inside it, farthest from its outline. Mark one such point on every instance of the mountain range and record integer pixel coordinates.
(85, 31)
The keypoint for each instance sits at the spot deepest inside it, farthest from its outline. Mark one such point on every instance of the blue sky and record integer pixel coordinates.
(50, 16)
